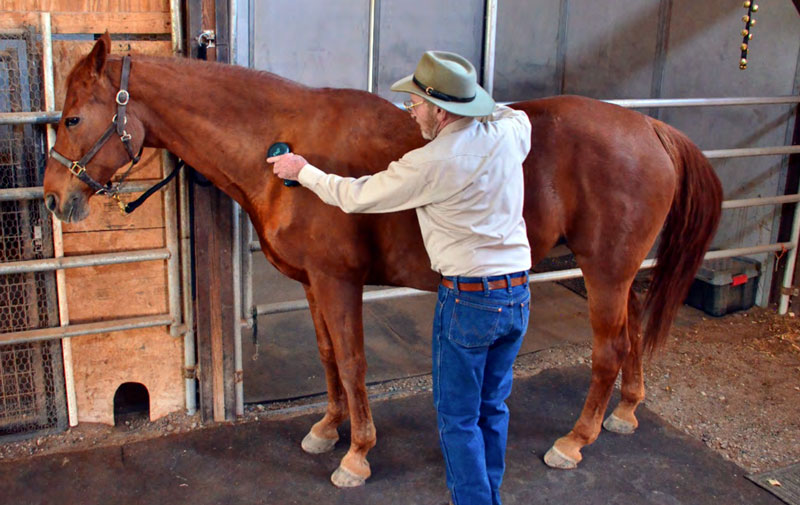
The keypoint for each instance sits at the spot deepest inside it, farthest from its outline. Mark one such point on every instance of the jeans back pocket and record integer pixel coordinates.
(474, 324)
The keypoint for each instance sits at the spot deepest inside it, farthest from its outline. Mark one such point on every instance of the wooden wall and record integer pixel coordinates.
(149, 356)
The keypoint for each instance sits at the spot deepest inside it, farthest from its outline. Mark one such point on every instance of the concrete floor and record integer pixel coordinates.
(397, 336)
(262, 463)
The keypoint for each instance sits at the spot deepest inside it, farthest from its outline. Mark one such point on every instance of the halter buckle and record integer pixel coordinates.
(77, 169)
(123, 97)
(125, 137)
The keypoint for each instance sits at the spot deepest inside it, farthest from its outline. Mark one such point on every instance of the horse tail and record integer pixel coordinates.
(687, 234)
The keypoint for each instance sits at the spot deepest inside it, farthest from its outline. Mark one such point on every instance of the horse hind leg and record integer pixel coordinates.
(322, 437)
(339, 304)
(608, 303)
(623, 419)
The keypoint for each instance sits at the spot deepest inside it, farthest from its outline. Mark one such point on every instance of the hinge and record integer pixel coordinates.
(790, 291)
(189, 372)
(238, 376)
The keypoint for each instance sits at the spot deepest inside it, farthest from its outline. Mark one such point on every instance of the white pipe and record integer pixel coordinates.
(30, 117)
(751, 151)
(791, 259)
(74, 330)
(232, 22)
(177, 26)
(61, 262)
(558, 275)
(754, 202)
(371, 46)
(247, 272)
(58, 239)
(173, 262)
(37, 192)
(189, 358)
(635, 103)
(490, 37)
(238, 375)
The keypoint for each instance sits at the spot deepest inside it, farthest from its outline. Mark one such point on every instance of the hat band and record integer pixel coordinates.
(442, 96)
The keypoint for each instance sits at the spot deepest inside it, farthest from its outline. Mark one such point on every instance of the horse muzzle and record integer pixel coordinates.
(73, 209)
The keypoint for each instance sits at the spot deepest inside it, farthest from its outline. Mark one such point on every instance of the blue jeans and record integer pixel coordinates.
(476, 337)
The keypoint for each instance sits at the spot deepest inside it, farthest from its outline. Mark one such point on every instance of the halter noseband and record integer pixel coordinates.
(78, 168)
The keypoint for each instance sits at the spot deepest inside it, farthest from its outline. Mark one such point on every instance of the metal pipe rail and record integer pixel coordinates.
(641, 103)
(727, 204)
(37, 192)
(74, 330)
(64, 262)
(751, 151)
(633, 103)
(47, 117)
(559, 275)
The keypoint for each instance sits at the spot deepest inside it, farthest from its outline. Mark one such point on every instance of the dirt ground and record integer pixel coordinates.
(731, 382)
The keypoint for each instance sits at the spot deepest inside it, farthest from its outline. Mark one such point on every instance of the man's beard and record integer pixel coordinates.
(430, 127)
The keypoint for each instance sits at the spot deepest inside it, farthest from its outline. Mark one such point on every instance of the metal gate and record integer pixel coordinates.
(525, 50)
(31, 377)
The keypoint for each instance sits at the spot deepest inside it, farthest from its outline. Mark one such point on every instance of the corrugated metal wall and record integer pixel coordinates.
(610, 49)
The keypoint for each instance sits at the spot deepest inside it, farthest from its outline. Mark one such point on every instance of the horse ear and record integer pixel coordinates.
(96, 60)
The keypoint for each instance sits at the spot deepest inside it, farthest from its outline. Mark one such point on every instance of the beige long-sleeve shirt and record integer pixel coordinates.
(466, 186)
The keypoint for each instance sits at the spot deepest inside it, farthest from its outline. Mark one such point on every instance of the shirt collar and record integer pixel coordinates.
(457, 125)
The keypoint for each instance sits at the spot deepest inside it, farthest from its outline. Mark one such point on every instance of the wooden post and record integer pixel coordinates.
(213, 247)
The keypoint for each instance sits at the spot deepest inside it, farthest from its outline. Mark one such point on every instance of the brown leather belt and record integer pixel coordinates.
(478, 286)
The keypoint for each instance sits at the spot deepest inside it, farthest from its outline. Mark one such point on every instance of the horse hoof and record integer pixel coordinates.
(617, 425)
(557, 459)
(313, 444)
(343, 477)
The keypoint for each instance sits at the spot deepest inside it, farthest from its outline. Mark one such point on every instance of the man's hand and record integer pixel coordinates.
(288, 165)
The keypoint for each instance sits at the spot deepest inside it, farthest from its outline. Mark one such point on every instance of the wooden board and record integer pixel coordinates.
(117, 291)
(66, 53)
(103, 362)
(97, 22)
(113, 241)
(86, 5)
(104, 214)
(149, 356)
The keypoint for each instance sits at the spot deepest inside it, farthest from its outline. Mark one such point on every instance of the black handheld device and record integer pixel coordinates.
(277, 149)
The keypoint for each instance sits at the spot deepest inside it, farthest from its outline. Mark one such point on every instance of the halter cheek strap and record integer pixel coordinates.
(78, 168)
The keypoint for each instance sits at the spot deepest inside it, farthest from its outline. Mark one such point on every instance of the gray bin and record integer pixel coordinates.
(725, 285)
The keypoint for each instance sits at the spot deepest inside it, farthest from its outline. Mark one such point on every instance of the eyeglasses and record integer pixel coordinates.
(408, 104)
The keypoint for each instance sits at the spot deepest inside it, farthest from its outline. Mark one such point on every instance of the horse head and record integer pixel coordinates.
(86, 153)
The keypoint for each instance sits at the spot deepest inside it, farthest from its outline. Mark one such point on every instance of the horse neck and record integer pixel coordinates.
(216, 118)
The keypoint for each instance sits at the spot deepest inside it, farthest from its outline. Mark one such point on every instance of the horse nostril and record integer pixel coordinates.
(50, 202)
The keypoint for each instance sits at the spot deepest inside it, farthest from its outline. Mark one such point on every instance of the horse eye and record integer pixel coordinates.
(72, 121)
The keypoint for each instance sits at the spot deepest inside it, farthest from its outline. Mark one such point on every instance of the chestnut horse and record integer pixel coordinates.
(602, 179)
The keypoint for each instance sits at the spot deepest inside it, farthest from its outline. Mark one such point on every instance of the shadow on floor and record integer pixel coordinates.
(262, 463)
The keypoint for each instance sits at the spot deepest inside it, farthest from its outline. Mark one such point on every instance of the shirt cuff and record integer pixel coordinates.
(309, 175)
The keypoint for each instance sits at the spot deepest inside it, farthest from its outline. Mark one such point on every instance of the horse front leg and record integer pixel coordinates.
(623, 419)
(607, 310)
(324, 434)
(339, 304)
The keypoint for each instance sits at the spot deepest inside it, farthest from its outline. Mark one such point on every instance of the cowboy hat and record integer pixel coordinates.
(448, 81)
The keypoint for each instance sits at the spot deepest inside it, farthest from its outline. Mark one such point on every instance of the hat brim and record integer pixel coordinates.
(482, 105)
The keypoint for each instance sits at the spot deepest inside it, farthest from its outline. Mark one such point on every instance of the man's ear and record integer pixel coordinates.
(96, 60)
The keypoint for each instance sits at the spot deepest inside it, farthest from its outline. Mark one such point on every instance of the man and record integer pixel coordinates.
(467, 187)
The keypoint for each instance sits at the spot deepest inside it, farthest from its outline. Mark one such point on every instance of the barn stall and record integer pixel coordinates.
(102, 313)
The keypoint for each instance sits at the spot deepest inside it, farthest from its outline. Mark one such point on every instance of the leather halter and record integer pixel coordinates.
(78, 168)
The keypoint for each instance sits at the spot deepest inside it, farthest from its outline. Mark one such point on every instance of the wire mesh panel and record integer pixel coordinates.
(31, 378)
